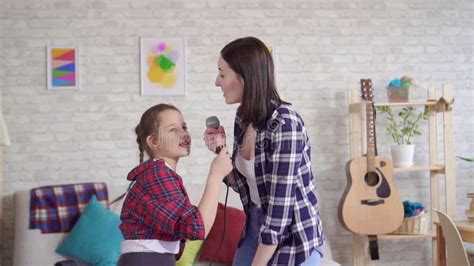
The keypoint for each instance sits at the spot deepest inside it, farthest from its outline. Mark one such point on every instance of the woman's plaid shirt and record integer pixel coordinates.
(285, 184)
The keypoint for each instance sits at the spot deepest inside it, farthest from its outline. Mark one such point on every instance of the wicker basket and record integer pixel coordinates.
(415, 225)
(398, 94)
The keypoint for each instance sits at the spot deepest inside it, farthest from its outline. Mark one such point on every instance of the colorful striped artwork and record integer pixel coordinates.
(63, 68)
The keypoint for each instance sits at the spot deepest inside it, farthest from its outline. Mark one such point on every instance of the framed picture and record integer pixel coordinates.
(63, 67)
(272, 49)
(162, 65)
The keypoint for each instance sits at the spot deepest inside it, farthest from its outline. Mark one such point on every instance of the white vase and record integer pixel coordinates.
(402, 155)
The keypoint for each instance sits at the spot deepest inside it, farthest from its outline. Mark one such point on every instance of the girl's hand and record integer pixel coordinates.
(214, 138)
(221, 165)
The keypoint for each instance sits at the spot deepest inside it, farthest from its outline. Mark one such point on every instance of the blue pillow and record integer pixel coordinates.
(96, 236)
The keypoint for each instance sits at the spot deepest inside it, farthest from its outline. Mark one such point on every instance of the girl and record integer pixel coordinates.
(157, 214)
(272, 162)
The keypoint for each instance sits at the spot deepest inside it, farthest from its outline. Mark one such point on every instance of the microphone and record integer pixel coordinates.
(213, 122)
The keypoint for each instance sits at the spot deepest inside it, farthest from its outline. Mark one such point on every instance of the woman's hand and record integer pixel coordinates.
(263, 255)
(214, 138)
(221, 165)
(231, 179)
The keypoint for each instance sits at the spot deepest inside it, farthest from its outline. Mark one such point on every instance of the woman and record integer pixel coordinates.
(271, 158)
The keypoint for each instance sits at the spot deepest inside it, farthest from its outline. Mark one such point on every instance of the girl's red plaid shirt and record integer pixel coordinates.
(157, 206)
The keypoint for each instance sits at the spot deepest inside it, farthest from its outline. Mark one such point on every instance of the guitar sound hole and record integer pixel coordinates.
(372, 179)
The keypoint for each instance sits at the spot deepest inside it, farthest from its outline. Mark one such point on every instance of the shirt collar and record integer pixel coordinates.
(273, 105)
(167, 165)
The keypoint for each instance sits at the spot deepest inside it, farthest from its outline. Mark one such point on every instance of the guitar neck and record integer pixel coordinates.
(370, 127)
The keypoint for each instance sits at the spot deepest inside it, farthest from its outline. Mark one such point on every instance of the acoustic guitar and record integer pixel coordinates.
(370, 204)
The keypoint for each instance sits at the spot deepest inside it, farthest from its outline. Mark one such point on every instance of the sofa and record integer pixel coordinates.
(32, 248)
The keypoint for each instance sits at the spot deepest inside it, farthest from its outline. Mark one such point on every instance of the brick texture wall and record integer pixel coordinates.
(322, 49)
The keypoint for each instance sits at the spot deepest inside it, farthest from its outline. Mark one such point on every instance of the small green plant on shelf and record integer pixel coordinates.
(406, 125)
(466, 159)
(470, 160)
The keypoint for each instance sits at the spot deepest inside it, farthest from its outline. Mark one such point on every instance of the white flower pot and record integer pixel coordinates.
(402, 155)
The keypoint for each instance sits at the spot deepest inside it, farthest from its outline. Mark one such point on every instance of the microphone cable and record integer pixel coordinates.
(225, 223)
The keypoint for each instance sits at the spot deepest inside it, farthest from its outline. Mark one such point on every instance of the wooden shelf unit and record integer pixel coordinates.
(429, 235)
(436, 168)
(417, 168)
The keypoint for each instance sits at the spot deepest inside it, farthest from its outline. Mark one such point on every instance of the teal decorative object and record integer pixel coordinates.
(395, 83)
(95, 238)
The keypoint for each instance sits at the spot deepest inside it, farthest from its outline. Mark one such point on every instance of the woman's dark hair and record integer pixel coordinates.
(250, 58)
(149, 125)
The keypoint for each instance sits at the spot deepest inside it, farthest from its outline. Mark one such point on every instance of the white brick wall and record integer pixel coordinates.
(323, 47)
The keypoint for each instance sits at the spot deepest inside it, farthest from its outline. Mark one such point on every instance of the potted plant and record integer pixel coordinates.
(403, 128)
(467, 159)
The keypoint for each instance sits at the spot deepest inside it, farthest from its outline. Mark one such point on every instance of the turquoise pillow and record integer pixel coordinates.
(190, 252)
(95, 238)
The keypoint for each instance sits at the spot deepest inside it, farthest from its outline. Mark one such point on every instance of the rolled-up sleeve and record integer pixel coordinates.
(281, 173)
(177, 218)
(170, 211)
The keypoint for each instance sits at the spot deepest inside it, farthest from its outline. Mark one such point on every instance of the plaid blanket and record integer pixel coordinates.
(57, 208)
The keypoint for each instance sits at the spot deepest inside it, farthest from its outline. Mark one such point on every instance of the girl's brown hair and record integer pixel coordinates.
(250, 58)
(149, 125)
